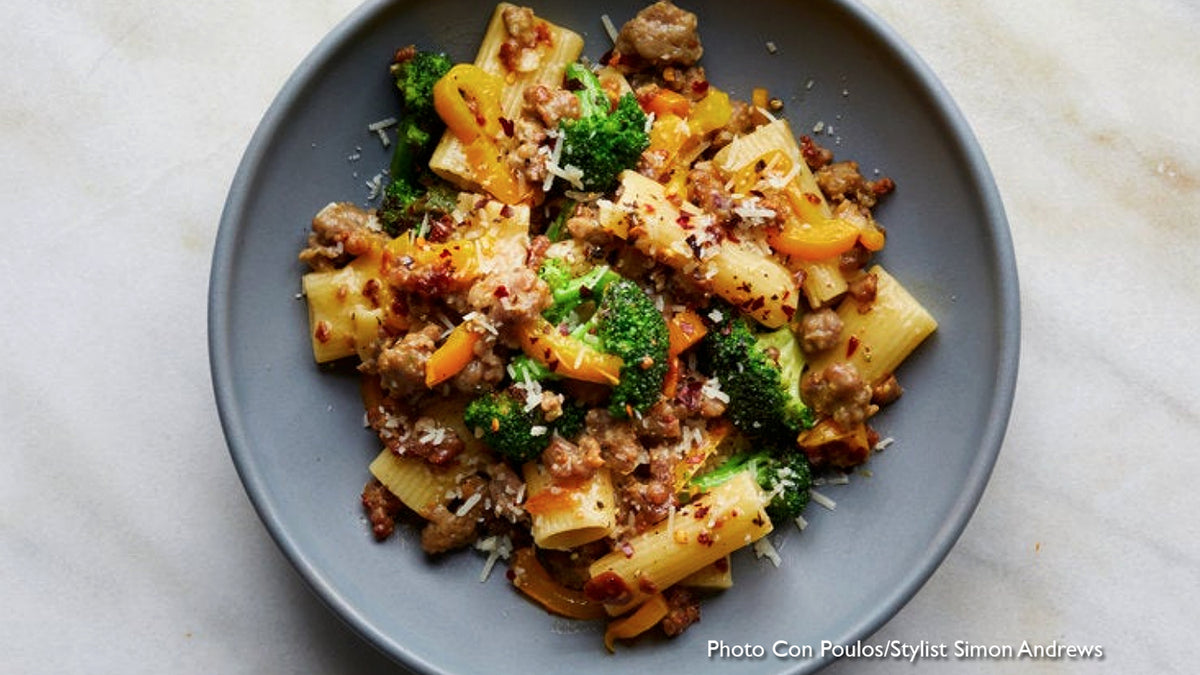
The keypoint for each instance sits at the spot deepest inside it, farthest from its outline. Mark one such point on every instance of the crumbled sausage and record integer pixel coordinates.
(820, 330)
(446, 530)
(401, 362)
(708, 190)
(886, 391)
(660, 421)
(485, 369)
(863, 290)
(838, 392)
(815, 156)
(697, 399)
(683, 610)
(567, 461)
(618, 443)
(853, 260)
(340, 231)
(842, 181)
(584, 224)
(433, 441)
(382, 507)
(509, 295)
(552, 104)
(506, 490)
(519, 51)
(661, 34)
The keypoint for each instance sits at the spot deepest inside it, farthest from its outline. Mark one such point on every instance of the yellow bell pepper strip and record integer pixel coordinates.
(532, 579)
(711, 112)
(467, 98)
(566, 356)
(819, 241)
(643, 619)
(453, 355)
(684, 329)
(760, 97)
(666, 102)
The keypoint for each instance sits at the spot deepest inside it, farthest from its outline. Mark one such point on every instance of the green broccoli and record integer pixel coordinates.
(556, 231)
(569, 292)
(630, 326)
(760, 372)
(602, 142)
(572, 421)
(504, 425)
(785, 476)
(413, 192)
(623, 321)
(406, 203)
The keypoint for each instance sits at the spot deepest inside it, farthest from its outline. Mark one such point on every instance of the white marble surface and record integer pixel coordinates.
(127, 543)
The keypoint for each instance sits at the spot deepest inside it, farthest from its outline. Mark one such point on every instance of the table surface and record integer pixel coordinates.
(128, 545)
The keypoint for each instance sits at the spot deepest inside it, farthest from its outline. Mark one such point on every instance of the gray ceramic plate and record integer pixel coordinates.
(295, 431)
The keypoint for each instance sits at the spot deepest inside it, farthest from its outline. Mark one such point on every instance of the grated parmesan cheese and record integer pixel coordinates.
(822, 499)
(763, 548)
(712, 389)
(498, 547)
(468, 505)
(609, 28)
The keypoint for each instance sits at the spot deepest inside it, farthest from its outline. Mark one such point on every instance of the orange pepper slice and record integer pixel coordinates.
(684, 329)
(667, 102)
(568, 357)
(467, 98)
(641, 620)
(452, 356)
(808, 241)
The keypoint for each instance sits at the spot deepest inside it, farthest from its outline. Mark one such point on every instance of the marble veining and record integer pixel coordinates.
(126, 541)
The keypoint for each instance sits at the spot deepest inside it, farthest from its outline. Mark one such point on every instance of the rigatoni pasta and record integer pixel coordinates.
(612, 322)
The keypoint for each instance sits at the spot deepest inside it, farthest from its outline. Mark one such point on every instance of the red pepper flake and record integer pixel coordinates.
(323, 332)
(370, 291)
(852, 345)
(607, 587)
(647, 585)
(812, 198)
(684, 221)
(700, 87)
(704, 538)
(701, 512)
(501, 292)
(508, 127)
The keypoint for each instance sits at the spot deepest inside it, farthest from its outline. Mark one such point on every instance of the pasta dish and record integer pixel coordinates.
(611, 321)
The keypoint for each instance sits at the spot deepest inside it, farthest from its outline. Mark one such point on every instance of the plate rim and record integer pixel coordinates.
(995, 226)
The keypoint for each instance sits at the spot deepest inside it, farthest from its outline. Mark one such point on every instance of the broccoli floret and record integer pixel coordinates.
(760, 372)
(570, 424)
(407, 203)
(603, 141)
(630, 326)
(623, 321)
(413, 192)
(506, 427)
(557, 231)
(785, 477)
(569, 292)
